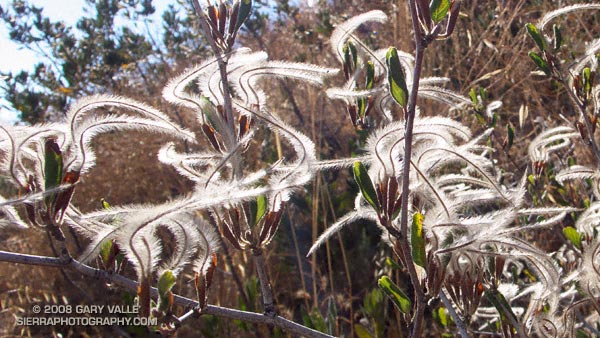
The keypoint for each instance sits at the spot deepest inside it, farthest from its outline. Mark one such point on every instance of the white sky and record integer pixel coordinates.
(14, 59)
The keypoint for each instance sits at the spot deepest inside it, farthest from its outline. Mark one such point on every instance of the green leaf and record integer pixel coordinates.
(361, 102)
(510, 136)
(105, 204)
(442, 316)
(536, 36)
(504, 309)
(370, 70)
(395, 294)
(243, 13)
(353, 53)
(347, 58)
(417, 240)
(165, 283)
(350, 56)
(557, 37)
(53, 165)
(365, 184)
(261, 207)
(439, 9)
(362, 331)
(390, 262)
(483, 94)
(105, 250)
(473, 96)
(494, 120)
(396, 78)
(588, 81)
(314, 320)
(573, 236)
(543, 65)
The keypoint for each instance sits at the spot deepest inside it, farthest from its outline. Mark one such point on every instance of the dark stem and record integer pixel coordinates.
(265, 285)
(420, 303)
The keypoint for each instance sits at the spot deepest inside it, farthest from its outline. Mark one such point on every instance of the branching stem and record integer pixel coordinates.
(129, 284)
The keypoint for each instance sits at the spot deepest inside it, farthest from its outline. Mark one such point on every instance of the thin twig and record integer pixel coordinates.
(586, 324)
(230, 138)
(588, 123)
(129, 284)
(459, 324)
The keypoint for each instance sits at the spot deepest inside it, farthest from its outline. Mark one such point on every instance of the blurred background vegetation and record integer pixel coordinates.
(334, 291)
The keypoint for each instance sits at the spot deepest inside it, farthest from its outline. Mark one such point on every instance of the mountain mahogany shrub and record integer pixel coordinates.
(465, 238)
(578, 259)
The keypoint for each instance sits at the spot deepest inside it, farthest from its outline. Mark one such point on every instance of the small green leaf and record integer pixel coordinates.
(350, 56)
(510, 136)
(557, 37)
(105, 204)
(417, 240)
(439, 9)
(347, 58)
(361, 331)
(166, 282)
(588, 81)
(473, 96)
(370, 70)
(314, 320)
(105, 250)
(365, 184)
(353, 53)
(483, 94)
(573, 236)
(243, 13)
(442, 316)
(494, 120)
(53, 165)
(396, 78)
(361, 103)
(504, 309)
(531, 179)
(119, 259)
(261, 207)
(395, 294)
(536, 36)
(543, 65)
(390, 262)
